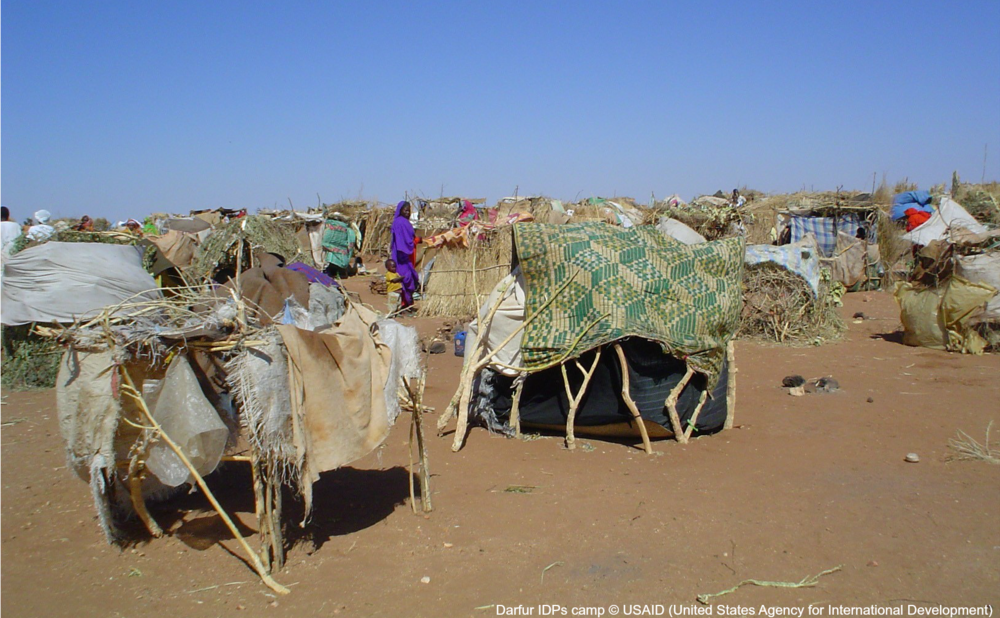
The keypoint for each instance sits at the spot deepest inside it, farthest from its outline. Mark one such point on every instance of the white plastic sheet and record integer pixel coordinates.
(63, 281)
(948, 214)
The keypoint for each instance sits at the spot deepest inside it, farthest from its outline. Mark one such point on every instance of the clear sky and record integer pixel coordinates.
(123, 108)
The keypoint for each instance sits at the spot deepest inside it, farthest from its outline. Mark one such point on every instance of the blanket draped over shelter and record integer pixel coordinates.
(337, 378)
(624, 283)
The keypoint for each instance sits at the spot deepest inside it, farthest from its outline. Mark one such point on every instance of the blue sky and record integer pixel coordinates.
(123, 108)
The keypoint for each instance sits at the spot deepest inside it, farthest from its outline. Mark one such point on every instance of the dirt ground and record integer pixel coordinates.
(801, 485)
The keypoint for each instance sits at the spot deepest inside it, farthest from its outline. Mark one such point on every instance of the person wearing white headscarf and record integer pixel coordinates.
(41, 230)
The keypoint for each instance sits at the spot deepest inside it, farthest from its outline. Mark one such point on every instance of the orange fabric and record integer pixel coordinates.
(915, 218)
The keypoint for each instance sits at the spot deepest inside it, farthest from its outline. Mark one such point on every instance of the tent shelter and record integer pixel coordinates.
(154, 393)
(659, 315)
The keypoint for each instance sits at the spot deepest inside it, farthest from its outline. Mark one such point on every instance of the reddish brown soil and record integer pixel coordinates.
(802, 485)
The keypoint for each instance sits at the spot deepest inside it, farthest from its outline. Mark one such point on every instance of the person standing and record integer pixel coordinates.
(338, 243)
(402, 250)
(9, 232)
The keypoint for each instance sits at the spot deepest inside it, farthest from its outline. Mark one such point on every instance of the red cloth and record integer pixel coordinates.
(915, 218)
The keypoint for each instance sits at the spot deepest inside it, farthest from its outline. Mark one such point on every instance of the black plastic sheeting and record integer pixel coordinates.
(652, 375)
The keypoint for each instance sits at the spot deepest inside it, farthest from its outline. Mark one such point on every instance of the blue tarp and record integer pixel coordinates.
(901, 202)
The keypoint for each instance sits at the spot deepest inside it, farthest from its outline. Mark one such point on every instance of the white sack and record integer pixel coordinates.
(679, 231)
(983, 268)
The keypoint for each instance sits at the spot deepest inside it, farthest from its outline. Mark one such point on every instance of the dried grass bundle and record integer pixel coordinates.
(248, 233)
(461, 279)
(779, 306)
(968, 448)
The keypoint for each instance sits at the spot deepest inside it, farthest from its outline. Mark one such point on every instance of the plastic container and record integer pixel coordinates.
(190, 420)
(460, 343)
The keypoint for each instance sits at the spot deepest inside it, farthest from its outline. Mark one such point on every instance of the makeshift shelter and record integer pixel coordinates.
(154, 393)
(951, 301)
(637, 325)
(231, 247)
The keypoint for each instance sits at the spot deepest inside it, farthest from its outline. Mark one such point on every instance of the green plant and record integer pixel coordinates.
(29, 360)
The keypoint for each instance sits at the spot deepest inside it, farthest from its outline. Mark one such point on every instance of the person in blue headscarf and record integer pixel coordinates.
(402, 250)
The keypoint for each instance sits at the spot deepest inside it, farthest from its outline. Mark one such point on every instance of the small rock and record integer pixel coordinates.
(796, 391)
(273, 604)
(870, 400)
(240, 608)
(859, 316)
(425, 580)
(913, 458)
(437, 347)
(791, 381)
(447, 545)
(827, 385)
(872, 563)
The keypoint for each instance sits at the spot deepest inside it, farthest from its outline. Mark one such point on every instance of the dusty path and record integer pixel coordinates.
(804, 484)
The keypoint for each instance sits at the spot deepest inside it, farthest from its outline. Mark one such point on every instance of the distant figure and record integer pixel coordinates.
(41, 230)
(9, 232)
(339, 239)
(468, 213)
(86, 224)
(402, 250)
(393, 285)
(737, 200)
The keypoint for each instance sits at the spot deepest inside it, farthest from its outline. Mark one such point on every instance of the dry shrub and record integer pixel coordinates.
(29, 360)
(982, 201)
(779, 306)
(458, 275)
(258, 231)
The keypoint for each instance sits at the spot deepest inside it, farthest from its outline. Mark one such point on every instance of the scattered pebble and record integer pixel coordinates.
(912, 458)
(872, 563)
(425, 580)
(797, 391)
(870, 400)
(447, 545)
(437, 347)
(859, 316)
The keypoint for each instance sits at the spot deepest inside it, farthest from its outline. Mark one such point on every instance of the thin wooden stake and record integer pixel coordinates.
(254, 559)
(515, 408)
(694, 416)
(627, 396)
(416, 424)
(730, 386)
(260, 509)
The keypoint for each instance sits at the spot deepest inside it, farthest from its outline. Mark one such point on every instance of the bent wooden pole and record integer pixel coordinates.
(671, 405)
(627, 396)
(574, 402)
(136, 472)
(254, 559)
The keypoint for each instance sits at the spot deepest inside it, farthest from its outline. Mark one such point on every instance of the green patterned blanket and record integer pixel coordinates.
(631, 282)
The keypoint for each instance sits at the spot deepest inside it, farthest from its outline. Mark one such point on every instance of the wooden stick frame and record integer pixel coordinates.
(629, 402)
(255, 561)
(574, 401)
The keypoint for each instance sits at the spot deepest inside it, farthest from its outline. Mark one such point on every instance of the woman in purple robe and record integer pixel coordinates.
(402, 250)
